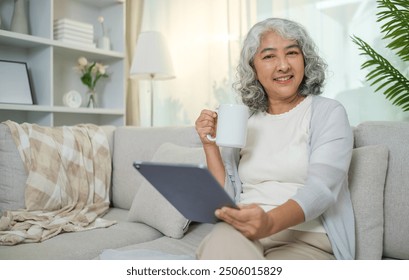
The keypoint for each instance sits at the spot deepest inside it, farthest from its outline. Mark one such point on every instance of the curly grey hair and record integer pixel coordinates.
(249, 88)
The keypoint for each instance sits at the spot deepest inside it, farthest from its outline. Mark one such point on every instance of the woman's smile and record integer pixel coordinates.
(284, 79)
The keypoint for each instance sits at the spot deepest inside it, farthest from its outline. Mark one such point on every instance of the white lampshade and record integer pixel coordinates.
(151, 58)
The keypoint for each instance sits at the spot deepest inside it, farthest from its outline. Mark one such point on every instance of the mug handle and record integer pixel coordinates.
(210, 138)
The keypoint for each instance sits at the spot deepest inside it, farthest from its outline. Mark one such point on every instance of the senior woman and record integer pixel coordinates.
(291, 178)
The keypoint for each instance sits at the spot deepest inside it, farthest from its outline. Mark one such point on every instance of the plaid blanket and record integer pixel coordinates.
(67, 189)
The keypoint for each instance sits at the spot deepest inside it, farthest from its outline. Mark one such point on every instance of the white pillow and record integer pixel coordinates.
(150, 207)
(367, 174)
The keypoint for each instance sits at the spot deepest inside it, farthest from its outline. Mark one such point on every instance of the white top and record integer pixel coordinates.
(325, 193)
(272, 168)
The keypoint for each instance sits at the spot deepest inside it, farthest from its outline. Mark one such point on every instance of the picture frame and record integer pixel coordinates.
(15, 83)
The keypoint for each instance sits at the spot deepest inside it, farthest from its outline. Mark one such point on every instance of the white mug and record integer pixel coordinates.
(231, 126)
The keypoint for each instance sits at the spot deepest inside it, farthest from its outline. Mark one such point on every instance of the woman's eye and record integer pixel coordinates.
(292, 53)
(268, 56)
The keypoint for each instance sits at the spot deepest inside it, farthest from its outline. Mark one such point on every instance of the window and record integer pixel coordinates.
(204, 37)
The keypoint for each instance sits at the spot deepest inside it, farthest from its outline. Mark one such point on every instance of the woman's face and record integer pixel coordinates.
(279, 66)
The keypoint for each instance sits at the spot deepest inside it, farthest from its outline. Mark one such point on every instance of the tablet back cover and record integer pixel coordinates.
(191, 189)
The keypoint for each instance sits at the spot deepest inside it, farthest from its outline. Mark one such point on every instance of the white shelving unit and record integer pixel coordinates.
(51, 63)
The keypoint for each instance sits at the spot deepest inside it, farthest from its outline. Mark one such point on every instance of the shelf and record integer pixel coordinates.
(9, 38)
(51, 63)
(101, 3)
(60, 109)
(91, 53)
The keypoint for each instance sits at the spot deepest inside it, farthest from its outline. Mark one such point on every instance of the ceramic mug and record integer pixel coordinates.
(231, 126)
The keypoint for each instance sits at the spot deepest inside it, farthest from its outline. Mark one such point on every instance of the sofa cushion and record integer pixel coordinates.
(162, 248)
(395, 135)
(140, 143)
(12, 173)
(84, 245)
(150, 207)
(366, 182)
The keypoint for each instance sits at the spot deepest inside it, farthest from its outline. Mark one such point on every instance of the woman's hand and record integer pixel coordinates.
(254, 223)
(251, 220)
(206, 124)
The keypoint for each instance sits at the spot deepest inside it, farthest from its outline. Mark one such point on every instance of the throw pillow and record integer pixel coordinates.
(12, 173)
(367, 174)
(150, 207)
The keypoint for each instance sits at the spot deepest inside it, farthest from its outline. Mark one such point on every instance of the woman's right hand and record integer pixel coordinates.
(206, 124)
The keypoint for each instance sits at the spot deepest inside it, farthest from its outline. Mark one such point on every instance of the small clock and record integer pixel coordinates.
(72, 99)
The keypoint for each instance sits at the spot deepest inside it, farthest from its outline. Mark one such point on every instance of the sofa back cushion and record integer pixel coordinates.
(139, 143)
(13, 175)
(367, 175)
(395, 136)
(151, 207)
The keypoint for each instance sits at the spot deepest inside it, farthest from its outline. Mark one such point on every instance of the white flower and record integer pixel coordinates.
(91, 72)
(101, 20)
(82, 61)
(100, 68)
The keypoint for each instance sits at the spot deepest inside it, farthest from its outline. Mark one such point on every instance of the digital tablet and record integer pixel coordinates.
(191, 189)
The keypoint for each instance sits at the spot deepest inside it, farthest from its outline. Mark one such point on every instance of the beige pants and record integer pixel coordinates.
(226, 243)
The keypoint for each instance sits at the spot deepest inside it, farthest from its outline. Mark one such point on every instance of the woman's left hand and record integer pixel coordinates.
(251, 220)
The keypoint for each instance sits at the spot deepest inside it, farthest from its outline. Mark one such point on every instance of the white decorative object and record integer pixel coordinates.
(152, 60)
(72, 99)
(103, 42)
(14, 80)
(74, 32)
(92, 99)
(19, 21)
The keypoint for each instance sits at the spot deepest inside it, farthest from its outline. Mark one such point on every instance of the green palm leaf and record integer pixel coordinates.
(395, 15)
(396, 27)
(385, 76)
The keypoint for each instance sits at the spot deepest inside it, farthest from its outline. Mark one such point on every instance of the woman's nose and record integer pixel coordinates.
(283, 65)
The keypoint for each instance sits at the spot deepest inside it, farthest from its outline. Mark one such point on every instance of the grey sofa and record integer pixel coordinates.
(149, 228)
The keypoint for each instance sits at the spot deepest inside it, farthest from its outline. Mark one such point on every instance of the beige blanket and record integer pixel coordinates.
(67, 189)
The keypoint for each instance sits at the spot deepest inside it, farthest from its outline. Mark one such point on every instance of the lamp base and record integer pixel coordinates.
(152, 98)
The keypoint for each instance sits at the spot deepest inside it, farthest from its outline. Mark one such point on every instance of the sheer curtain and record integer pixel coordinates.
(205, 36)
(134, 9)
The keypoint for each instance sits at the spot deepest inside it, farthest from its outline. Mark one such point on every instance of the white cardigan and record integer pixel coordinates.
(326, 194)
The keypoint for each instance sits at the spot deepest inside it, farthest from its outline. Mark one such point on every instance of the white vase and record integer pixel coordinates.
(19, 21)
(91, 99)
(104, 43)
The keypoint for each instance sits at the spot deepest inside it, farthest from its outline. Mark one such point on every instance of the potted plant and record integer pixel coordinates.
(394, 15)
